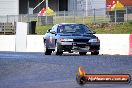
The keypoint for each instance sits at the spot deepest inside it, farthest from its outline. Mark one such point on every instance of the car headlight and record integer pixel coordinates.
(66, 40)
(94, 40)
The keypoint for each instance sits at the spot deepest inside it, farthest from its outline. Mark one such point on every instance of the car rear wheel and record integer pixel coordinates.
(95, 53)
(58, 52)
(82, 53)
(47, 51)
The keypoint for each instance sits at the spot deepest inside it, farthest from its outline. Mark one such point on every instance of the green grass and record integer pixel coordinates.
(123, 28)
(40, 30)
(79, 19)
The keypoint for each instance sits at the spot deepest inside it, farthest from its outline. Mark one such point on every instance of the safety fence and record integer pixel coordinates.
(92, 16)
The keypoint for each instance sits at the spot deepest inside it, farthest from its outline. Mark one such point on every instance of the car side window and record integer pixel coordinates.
(54, 29)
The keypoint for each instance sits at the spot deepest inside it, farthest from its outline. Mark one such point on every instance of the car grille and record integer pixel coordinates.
(81, 40)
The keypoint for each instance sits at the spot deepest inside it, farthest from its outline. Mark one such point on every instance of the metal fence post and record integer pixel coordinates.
(115, 16)
(54, 22)
(46, 20)
(83, 16)
(7, 19)
(126, 15)
(64, 16)
(74, 15)
(28, 20)
(94, 15)
(105, 16)
(20, 18)
(37, 20)
(14, 19)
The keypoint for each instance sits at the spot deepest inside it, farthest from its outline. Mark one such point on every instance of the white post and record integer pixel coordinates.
(21, 37)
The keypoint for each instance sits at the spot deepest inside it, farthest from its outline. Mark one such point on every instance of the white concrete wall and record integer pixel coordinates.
(110, 43)
(114, 43)
(9, 7)
(7, 42)
(35, 43)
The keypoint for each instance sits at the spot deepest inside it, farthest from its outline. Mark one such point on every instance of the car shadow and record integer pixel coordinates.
(74, 54)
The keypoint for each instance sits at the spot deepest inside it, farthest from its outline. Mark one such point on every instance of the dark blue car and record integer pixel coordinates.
(71, 37)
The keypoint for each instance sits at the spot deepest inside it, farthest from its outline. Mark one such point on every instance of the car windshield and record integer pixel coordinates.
(74, 28)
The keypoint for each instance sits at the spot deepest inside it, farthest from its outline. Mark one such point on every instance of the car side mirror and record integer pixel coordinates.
(53, 32)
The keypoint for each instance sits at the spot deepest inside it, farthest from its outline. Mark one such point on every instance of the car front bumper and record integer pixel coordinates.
(79, 46)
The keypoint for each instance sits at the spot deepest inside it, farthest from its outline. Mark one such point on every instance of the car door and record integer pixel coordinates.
(46, 39)
(52, 37)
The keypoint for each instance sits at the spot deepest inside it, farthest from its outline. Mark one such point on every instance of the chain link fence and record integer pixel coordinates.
(92, 16)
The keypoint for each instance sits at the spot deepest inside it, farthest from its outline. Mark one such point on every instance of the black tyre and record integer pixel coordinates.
(47, 51)
(58, 52)
(95, 53)
(82, 53)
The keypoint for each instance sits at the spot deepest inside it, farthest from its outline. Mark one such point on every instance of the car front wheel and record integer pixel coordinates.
(82, 53)
(48, 52)
(95, 53)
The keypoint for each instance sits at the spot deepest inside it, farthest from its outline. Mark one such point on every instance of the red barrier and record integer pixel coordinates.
(130, 44)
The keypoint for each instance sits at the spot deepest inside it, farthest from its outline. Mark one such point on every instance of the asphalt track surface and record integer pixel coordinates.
(35, 70)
